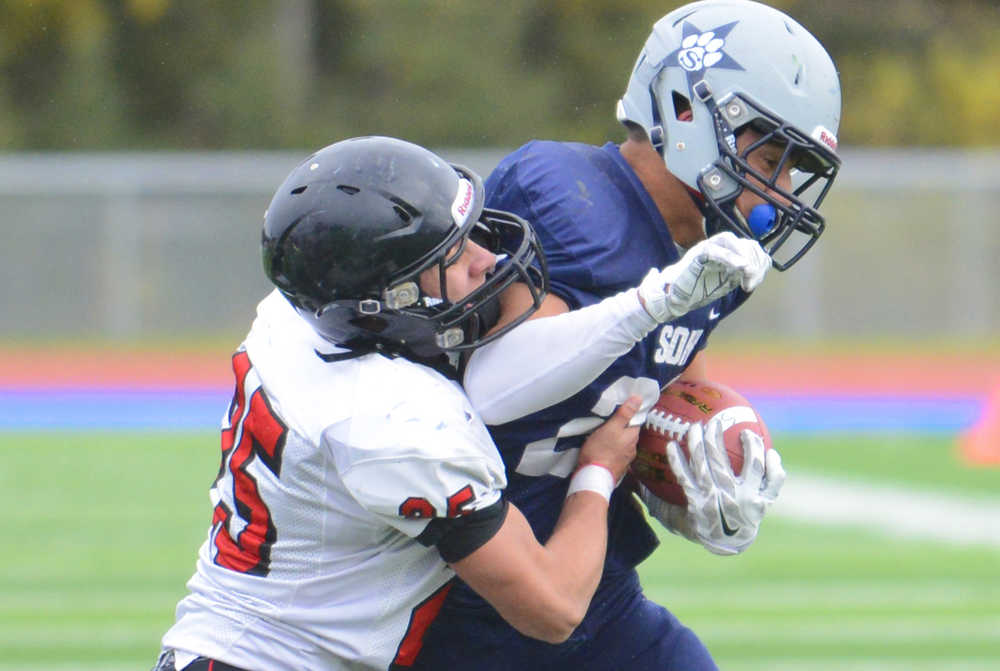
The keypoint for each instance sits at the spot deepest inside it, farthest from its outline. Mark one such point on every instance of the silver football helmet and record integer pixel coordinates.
(710, 69)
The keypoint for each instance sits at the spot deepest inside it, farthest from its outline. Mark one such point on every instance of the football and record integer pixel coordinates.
(682, 403)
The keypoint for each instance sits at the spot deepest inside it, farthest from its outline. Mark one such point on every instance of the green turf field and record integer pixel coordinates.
(101, 531)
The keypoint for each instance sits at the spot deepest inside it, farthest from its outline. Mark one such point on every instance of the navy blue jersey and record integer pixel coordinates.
(601, 233)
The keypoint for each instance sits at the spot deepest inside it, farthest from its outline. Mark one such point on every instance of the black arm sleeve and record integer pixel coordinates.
(458, 537)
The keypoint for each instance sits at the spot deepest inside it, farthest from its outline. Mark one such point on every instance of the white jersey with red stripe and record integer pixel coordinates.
(330, 470)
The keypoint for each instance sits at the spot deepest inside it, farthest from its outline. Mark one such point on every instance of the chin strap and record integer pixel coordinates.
(355, 347)
(333, 357)
(442, 363)
(723, 131)
(699, 201)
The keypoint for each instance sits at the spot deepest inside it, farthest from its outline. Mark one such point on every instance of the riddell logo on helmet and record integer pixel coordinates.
(826, 137)
(463, 202)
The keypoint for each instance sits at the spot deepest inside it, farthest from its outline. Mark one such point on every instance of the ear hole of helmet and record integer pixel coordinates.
(370, 323)
(682, 107)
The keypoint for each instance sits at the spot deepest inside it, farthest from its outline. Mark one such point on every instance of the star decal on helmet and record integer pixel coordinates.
(701, 50)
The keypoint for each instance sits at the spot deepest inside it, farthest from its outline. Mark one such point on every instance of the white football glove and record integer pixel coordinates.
(708, 271)
(724, 511)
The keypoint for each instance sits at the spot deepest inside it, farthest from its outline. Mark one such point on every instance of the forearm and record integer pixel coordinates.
(547, 360)
(543, 591)
(577, 552)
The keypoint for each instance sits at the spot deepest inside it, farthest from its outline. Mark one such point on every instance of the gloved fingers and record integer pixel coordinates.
(728, 264)
(723, 550)
(718, 458)
(723, 240)
(731, 241)
(744, 511)
(718, 280)
(649, 498)
(698, 464)
(683, 471)
(753, 459)
(731, 546)
(683, 285)
(672, 516)
(740, 254)
(676, 520)
(774, 475)
(686, 296)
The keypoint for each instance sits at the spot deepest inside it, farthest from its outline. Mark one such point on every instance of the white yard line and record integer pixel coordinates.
(895, 511)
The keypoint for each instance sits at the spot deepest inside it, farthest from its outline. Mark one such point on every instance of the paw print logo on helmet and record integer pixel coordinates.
(699, 52)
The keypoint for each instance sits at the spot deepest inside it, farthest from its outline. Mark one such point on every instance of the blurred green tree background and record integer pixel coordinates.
(270, 74)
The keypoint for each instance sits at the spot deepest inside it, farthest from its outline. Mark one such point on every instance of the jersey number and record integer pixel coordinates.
(253, 432)
(420, 508)
(541, 456)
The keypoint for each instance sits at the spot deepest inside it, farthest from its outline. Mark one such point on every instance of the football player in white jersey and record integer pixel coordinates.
(356, 480)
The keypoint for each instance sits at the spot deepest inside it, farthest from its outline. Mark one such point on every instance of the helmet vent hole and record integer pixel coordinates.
(404, 210)
(789, 28)
(297, 190)
(403, 214)
(349, 190)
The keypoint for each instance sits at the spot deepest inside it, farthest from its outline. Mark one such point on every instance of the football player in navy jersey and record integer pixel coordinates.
(731, 114)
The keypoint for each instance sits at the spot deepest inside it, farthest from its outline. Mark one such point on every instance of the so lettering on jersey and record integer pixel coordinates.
(676, 344)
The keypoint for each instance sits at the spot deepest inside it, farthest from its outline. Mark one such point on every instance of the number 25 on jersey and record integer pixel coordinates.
(242, 529)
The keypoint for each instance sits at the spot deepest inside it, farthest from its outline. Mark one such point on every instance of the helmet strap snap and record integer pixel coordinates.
(723, 130)
(369, 306)
(401, 296)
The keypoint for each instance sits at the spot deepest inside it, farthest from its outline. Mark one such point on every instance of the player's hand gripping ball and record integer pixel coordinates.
(682, 403)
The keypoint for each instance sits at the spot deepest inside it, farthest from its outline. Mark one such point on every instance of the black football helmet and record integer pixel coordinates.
(351, 229)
